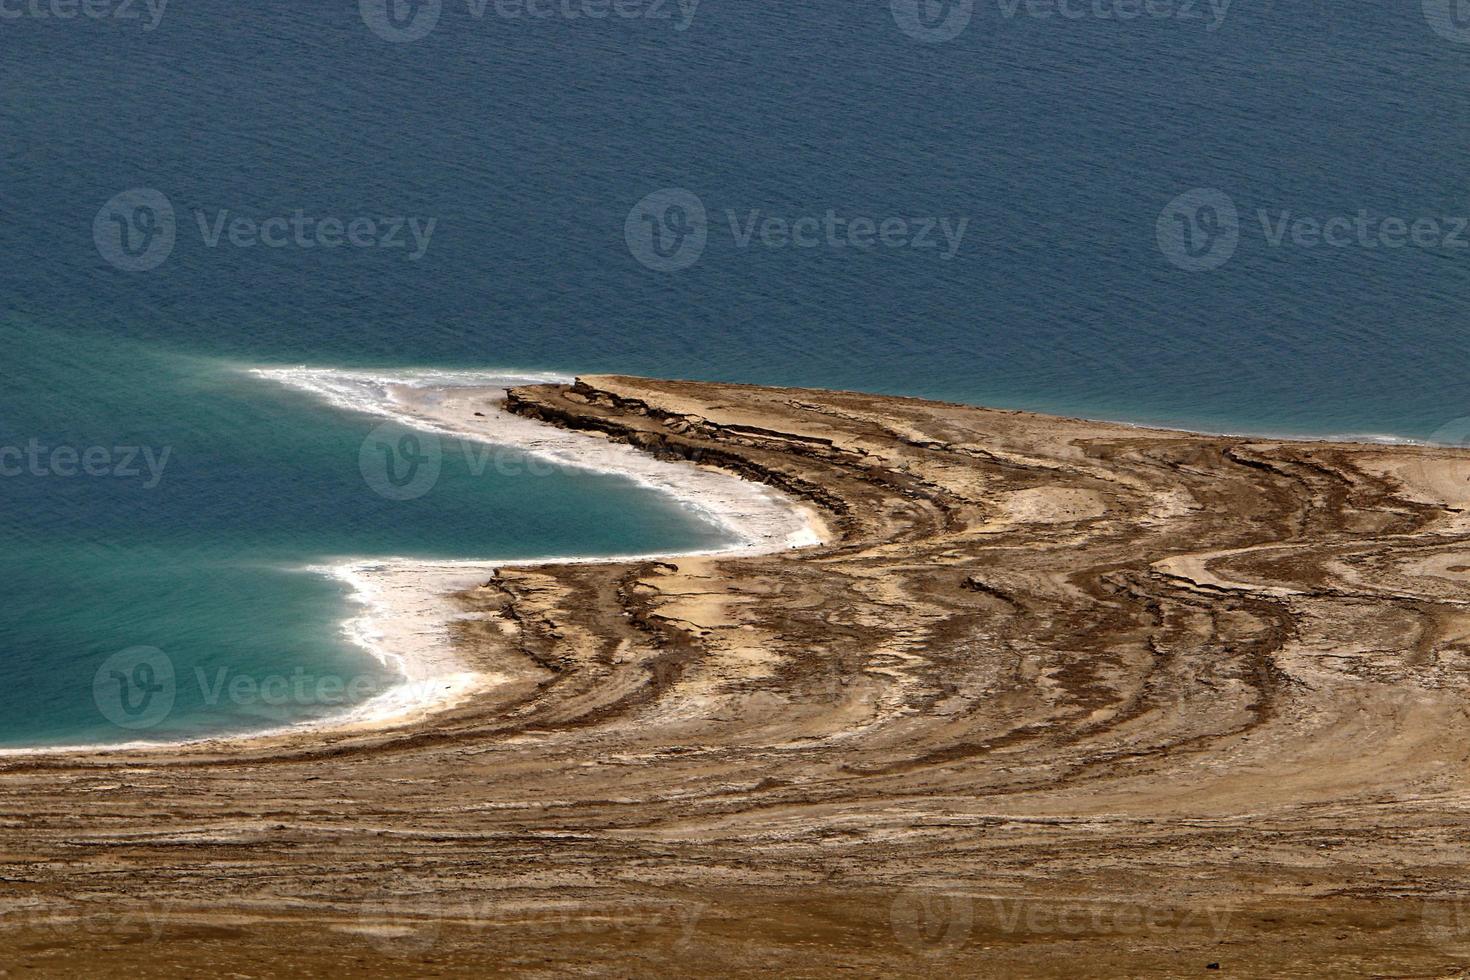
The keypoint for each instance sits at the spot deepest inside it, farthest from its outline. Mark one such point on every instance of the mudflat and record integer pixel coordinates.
(1054, 698)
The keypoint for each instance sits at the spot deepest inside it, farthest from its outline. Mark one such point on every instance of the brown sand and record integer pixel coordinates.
(1060, 699)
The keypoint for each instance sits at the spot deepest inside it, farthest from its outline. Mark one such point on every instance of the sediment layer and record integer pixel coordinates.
(1056, 697)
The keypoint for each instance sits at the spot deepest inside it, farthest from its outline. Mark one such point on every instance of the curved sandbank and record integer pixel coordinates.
(407, 602)
(1054, 698)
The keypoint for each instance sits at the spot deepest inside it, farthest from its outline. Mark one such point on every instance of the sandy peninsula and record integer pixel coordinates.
(1025, 696)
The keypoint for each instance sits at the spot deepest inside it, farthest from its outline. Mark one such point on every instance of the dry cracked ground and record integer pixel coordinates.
(1058, 698)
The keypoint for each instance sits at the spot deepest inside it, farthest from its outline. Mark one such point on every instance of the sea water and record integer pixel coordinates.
(1235, 217)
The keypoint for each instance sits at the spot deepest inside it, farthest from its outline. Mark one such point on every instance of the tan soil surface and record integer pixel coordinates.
(1060, 698)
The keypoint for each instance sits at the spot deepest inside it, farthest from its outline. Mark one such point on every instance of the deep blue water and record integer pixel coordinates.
(528, 141)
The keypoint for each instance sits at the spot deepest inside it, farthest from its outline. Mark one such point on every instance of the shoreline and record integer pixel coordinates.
(409, 630)
(461, 377)
(1050, 662)
(408, 602)
(420, 611)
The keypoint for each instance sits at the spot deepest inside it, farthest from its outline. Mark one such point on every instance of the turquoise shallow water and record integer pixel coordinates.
(198, 562)
(530, 143)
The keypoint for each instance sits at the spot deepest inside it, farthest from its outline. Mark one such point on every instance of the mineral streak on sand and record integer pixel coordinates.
(1055, 698)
